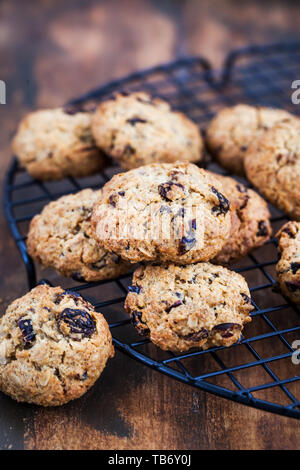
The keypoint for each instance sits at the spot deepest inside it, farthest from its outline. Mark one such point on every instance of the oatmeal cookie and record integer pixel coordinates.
(136, 130)
(288, 266)
(250, 221)
(272, 164)
(61, 237)
(184, 307)
(163, 212)
(53, 347)
(54, 143)
(234, 128)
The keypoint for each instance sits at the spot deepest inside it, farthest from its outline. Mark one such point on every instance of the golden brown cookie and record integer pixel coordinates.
(53, 347)
(250, 221)
(184, 307)
(272, 164)
(163, 212)
(288, 266)
(233, 129)
(54, 143)
(61, 237)
(136, 130)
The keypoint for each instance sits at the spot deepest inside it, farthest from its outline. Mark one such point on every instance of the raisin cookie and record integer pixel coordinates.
(55, 143)
(53, 347)
(272, 164)
(250, 221)
(61, 237)
(233, 129)
(288, 266)
(184, 307)
(163, 212)
(137, 129)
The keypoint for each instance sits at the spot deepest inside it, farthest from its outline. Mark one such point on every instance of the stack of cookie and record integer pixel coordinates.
(182, 224)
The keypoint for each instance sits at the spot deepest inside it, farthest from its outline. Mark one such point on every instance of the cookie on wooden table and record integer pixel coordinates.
(136, 130)
(184, 307)
(53, 347)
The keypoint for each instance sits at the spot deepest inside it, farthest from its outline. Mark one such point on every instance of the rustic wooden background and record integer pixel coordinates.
(51, 51)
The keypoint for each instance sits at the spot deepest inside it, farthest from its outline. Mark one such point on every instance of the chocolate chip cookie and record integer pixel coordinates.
(233, 129)
(54, 143)
(61, 237)
(272, 164)
(250, 221)
(184, 307)
(163, 212)
(288, 266)
(136, 130)
(53, 347)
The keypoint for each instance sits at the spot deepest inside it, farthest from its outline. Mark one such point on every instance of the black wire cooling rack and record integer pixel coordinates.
(261, 370)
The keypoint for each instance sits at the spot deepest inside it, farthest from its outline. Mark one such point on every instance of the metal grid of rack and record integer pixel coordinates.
(258, 371)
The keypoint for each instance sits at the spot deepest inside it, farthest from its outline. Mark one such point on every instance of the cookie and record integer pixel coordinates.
(184, 307)
(272, 164)
(53, 347)
(137, 130)
(288, 266)
(163, 212)
(54, 143)
(233, 129)
(61, 237)
(250, 221)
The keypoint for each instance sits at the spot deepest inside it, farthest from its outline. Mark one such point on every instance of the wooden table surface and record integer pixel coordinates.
(51, 51)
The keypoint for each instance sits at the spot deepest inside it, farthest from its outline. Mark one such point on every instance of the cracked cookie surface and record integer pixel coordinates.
(250, 221)
(61, 237)
(136, 130)
(53, 347)
(288, 266)
(233, 129)
(272, 164)
(163, 212)
(54, 143)
(184, 307)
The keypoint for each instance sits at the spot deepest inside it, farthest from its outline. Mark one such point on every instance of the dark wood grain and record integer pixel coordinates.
(51, 51)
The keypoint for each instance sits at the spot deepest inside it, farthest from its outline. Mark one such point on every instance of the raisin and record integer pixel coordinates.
(128, 150)
(294, 267)
(135, 289)
(198, 336)
(241, 188)
(27, 331)
(244, 148)
(76, 323)
(135, 120)
(289, 232)
(245, 202)
(77, 277)
(171, 191)
(174, 305)
(223, 206)
(292, 286)
(121, 193)
(186, 244)
(136, 320)
(246, 298)
(70, 293)
(262, 229)
(113, 199)
(226, 330)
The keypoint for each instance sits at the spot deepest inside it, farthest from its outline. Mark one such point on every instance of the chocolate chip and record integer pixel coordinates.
(28, 334)
(135, 289)
(174, 305)
(262, 229)
(171, 191)
(198, 336)
(294, 267)
(226, 330)
(135, 120)
(292, 286)
(223, 206)
(76, 323)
